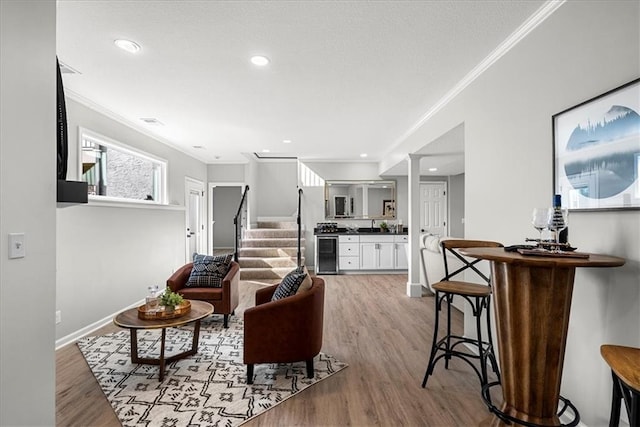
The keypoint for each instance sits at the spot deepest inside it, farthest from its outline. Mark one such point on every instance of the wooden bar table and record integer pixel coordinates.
(532, 301)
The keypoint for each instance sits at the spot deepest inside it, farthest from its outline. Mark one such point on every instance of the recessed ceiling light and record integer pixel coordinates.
(286, 141)
(363, 155)
(128, 45)
(259, 60)
(266, 150)
(433, 169)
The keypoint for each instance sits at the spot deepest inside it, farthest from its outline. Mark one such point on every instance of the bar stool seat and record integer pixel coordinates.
(625, 370)
(479, 298)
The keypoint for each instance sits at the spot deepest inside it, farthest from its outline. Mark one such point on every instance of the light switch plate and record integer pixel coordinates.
(16, 245)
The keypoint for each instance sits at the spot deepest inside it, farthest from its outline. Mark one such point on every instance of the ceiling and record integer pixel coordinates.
(345, 77)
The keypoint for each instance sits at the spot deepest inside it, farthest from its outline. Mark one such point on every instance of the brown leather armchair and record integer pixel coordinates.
(224, 299)
(284, 331)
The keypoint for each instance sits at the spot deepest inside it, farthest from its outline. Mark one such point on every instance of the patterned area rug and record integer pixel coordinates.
(207, 389)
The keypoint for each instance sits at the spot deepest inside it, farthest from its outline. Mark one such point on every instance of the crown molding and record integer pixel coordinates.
(124, 121)
(520, 33)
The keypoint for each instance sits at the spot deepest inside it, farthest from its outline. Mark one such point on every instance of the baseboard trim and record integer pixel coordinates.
(414, 290)
(75, 336)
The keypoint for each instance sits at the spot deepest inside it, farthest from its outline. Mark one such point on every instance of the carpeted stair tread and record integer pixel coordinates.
(278, 224)
(264, 273)
(261, 262)
(257, 233)
(269, 252)
(272, 243)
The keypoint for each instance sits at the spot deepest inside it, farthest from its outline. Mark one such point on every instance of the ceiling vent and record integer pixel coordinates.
(152, 121)
(65, 69)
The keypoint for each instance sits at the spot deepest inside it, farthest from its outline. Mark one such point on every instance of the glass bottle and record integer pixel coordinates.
(152, 300)
(558, 221)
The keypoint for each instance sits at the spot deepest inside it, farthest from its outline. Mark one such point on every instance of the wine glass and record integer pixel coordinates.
(540, 219)
(558, 221)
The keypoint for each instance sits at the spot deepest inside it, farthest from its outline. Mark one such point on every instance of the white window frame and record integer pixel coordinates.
(84, 133)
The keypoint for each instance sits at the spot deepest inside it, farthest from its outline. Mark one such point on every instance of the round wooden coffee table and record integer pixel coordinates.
(129, 319)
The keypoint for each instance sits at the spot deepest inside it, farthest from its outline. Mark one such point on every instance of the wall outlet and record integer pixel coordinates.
(58, 316)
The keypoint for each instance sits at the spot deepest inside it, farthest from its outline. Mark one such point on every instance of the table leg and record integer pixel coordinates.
(162, 361)
(196, 337)
(532, 306)
(134, 345)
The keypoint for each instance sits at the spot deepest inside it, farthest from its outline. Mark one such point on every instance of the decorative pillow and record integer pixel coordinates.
(209, 271)
(290, 284)
(306, 283)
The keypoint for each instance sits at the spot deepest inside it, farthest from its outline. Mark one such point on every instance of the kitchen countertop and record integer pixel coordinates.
(361, 230)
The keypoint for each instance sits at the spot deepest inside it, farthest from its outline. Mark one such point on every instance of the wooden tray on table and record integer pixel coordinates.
(161, 314)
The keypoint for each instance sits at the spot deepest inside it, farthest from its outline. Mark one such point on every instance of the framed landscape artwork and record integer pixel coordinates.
(596, 151)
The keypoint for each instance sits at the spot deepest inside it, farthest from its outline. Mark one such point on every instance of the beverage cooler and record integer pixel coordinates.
(326, 254)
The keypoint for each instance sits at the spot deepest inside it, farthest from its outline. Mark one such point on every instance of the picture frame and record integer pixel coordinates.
(596, 151)
(389, 208)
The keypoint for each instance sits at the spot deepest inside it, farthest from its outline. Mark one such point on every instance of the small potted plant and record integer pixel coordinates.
(170, 300)
(384, 226)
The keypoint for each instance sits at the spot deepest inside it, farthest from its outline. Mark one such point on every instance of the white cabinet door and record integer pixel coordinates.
(386, 255)
(376, 256)
(401, 256)
(368, 256)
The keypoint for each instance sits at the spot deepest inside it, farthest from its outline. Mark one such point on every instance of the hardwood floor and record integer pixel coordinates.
(369, 323)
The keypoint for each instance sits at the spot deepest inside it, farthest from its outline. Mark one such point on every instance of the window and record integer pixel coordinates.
(115, 171)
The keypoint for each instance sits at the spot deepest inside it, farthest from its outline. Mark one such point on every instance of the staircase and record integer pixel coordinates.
(270, 251)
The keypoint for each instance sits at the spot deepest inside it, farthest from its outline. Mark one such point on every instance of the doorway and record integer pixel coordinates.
(433, 208)
(194, 205)
(225, 199)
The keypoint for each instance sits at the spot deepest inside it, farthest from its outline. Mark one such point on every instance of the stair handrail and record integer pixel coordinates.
(238, 224)
(298, 218)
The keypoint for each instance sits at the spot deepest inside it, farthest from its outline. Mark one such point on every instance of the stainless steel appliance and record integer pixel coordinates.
(327, 254)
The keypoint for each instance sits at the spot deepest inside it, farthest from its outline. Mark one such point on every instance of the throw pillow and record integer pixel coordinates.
(290, 284)
(208, 271)
(306, 283)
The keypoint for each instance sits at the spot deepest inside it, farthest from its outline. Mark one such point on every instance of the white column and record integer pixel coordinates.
(414, 288)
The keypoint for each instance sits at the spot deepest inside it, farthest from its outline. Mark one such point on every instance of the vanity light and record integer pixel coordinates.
(128, 45)
(259, 60)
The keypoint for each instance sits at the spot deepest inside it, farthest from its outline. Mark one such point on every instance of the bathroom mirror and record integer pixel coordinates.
(360, 199)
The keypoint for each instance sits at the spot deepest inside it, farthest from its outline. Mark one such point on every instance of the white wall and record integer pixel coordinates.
(231, 172)
(582, 50)
(276, 189)
(108, 255)
(27, 204)
(456, 205)
(225, 206)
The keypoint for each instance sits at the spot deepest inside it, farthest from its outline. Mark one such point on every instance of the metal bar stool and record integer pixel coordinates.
(479, 297)
(625, 370)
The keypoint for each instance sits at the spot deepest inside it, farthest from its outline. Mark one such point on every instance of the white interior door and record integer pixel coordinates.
(194, 203)
(433, 208)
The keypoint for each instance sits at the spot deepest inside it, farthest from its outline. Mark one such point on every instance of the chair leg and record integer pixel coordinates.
(447, 355)
(481, 351)
(492, 354)
(250, 373)
(310, 373)
(226, 321)
(616, 402)
(432, 355)
(634, 410)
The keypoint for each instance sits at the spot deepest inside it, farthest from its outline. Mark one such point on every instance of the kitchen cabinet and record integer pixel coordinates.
(349, 252)
(401, 244)
(377, 253)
